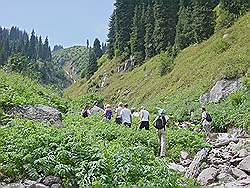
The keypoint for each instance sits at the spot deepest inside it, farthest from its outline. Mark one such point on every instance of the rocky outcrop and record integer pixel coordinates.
(39, 113)
(47, 182)
(226, 165)
(221, 89)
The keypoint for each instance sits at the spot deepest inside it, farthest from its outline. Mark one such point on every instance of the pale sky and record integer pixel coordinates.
(66, 22)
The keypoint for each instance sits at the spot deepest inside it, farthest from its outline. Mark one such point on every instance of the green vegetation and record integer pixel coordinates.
(91, 153)
(194, 72)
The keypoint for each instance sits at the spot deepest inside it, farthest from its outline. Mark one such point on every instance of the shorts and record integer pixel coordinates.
(144, 124)
(118, 120)
(127, 124)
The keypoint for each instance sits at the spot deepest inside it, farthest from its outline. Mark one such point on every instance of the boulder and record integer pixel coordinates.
(225, 178)
(243, 153)
(50, 180)
(245, 164)
(184, 155)
(239, 174)
(29, 183)
(14, 185)
(235, 184)
(176, 167)
(194, 167)
(221, 89)
(39, 185)
(207, 176)
(56, 186)
(39, 113)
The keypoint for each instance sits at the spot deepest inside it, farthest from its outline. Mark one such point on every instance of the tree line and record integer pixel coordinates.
(142, 29)
(13, 41)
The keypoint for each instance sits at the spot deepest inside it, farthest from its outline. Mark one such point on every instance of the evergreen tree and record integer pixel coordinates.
(46, 50)
(123, 22)
(111, 37)
(137, 35)
(32, 46)
(202, 19)
(184, 29)
(97, 48)
(165, 12)
(236, 7)
(149, 29)
(91, 67)
(87, 43)
(40, 48)
(57, 47)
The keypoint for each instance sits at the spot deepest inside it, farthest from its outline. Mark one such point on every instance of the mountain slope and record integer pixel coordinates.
(73, 60)
(195, 70)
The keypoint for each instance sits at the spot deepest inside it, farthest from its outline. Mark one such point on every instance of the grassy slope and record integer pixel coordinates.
(196, 70)
(76, 56)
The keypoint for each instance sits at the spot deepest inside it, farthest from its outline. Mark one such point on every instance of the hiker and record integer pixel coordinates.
(96, 109)
(86, 111)
(144, 118)
(126, 116)
(160, 124)
(118, 114)
(108, 112)
(206, 121)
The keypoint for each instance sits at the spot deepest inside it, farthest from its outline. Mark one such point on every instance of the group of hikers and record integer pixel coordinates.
(123, 116)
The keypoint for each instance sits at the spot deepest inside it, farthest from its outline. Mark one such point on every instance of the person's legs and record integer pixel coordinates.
(146, 125)
(141, 125)
(163, 143)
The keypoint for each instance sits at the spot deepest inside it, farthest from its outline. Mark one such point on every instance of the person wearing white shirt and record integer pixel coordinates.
(126, 116)
(144, 119)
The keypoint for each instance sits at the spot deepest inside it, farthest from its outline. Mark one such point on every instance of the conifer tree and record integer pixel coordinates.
(40, 48)
(32, 46)
(97, 48)
(202, 19)
(91, 67)
(137, 35)
(184, 29)
(46, 50)
(149, 29)
(165, 12)
(111, 37)
(124, 18)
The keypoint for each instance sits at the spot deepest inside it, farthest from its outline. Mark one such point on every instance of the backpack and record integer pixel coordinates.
(160, 123)
(208, 117)
(109, 114)
(85, 113)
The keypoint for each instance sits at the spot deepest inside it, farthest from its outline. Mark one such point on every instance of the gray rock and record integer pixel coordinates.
(39, 185)
(236, 161)
(56, 186)
(221, 89)
(225, 169)
(184, 155)
(186, 162)
(243, 153)
(207, 176)
(239, 174)
(14, 185)
(29, 183)
(225, 178)
(176, 167)
(50, 180)
(194, 167)
(235, 184)
(245, 164)
(39, 113)
(226, 142)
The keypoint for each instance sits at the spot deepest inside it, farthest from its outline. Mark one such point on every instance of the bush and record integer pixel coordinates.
(166, 64)
(88, 152)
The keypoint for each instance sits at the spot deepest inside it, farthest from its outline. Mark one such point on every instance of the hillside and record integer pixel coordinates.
(72, 59)
(194, 71)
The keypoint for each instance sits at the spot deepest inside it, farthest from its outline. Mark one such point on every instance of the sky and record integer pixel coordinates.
(65, 22)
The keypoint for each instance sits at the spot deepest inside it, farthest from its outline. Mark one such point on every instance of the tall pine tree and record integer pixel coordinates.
(46, 50)
(32, 46)
(91, 67)
(165, 12)
(124, 19)
(97, 48)
(149, 29)
(137, 35)
(111, 37)
(40, 48)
